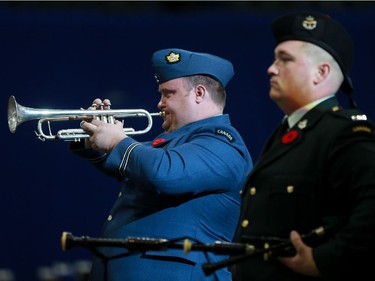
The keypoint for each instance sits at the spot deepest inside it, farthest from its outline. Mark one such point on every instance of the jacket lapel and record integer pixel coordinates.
(280, 143)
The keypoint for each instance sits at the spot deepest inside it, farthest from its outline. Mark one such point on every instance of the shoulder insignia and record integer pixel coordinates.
(365, 129)
(359, 117)
(225, 134)
(351, 114)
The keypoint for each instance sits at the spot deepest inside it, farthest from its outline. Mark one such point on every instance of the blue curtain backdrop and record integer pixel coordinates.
(63, 58)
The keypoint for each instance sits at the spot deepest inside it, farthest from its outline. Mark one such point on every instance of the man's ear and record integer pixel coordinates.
(200, 92)
(322, 73)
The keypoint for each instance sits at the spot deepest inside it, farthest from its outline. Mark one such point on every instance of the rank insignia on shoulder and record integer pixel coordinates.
(360, 117)
(225, 134)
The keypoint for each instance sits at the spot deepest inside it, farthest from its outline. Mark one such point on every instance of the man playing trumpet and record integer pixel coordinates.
(184, 183)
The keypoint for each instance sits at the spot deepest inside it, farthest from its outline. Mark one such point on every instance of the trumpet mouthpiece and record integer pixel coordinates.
(160, 113)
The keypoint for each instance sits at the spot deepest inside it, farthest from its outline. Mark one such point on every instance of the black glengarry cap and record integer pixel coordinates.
(321, 30)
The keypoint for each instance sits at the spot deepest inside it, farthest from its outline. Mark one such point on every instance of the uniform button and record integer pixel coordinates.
(120, 193)
(253, 190)
(266, 255)
(109, 218)
(245, 223)
(290, 188)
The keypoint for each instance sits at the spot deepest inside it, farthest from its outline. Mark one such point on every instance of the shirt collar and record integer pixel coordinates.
(299, 113)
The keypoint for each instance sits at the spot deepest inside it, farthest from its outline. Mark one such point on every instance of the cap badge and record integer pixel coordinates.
(309, 23)
(172, 57)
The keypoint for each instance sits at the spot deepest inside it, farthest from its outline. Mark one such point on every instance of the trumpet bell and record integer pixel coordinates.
(12, 114)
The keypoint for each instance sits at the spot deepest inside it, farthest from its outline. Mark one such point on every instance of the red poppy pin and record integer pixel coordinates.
(289, 137)
(157, 142)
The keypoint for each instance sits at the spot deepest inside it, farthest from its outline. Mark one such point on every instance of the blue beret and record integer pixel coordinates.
(172, 63)
(321, 30)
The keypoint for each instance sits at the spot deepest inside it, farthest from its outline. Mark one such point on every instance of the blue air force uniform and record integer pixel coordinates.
(183, 184)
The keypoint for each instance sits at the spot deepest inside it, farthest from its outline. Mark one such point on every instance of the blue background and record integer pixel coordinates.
(63, 55)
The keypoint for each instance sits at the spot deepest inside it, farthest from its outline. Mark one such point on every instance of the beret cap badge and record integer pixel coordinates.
(309, 23)
(174, 63)
(172, 57)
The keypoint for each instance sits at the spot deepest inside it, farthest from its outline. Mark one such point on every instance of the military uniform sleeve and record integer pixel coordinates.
(93, 156)
(349, 253)
(204, 162)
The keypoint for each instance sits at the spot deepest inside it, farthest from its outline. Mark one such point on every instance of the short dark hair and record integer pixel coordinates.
(216, 89)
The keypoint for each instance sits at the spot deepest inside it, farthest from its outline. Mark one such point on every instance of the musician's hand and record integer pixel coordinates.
(303, 262)
(97, 104)
(104, 136)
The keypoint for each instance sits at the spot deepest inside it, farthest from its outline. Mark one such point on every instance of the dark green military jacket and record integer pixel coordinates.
(321, 172)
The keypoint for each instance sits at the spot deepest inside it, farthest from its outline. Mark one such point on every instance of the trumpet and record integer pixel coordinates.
(17, 114)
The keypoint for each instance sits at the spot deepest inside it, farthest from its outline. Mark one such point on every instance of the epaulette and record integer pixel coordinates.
(351, 114)
(355, 115)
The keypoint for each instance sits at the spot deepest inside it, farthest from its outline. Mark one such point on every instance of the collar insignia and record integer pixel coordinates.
(302, 124)
(309, 23)
(172, 57)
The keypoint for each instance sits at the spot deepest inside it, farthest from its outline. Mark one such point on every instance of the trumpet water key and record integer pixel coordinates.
(17, 114)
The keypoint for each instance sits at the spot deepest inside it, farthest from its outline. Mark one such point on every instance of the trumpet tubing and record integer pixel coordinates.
(18, 114)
